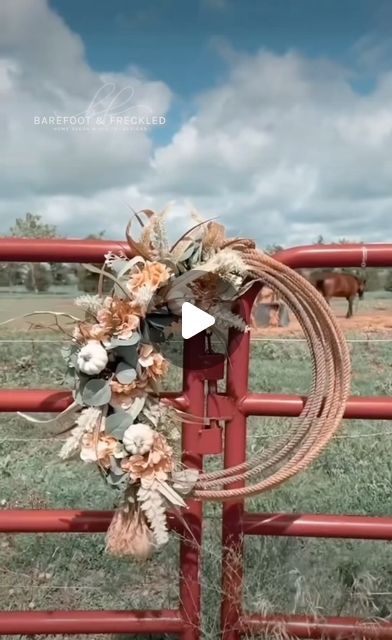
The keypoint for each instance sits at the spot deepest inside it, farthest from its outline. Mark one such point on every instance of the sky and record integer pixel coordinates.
(274, 117)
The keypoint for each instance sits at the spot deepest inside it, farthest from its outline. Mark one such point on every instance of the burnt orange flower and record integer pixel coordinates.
(153, 274)
(118, 317)
(86, 331)
(154, 465)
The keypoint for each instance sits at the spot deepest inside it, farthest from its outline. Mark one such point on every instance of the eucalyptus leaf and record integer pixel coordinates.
(128, 355)
(129, 342)
(96, 392)
(118, 420)
(137, 407)
(125, 374)
(114, 479)
(160, 319)
(116, 468)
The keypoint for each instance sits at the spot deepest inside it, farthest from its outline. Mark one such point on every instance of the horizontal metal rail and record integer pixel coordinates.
(317, 526)
(311, 627)
(59, 250)
(55, 400)
(274, 404)
(64, 521)
(90, 622)
(258, 404)
(308, 256)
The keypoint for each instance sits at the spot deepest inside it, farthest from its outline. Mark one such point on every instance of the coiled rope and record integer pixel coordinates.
(323, 410)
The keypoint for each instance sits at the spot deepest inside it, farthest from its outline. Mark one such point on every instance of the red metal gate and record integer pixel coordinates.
(200, 395)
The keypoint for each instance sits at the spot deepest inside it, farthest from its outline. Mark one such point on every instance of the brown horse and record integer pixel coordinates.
(341, 285)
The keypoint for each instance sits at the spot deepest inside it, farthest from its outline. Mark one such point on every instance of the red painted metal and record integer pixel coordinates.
(59, 250)
(336, 255)
(190, 552)
(63, 521)
(310, 627)
(235, 453)
(273, 404)
(317, 526)
(90, 622)
(52, 400)
(200, 397)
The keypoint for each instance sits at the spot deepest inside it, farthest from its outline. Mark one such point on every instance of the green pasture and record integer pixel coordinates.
(325, 577)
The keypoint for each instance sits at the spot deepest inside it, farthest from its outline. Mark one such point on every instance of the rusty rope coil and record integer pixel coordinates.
(323, 410)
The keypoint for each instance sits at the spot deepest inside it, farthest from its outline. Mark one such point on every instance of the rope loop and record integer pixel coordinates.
(324, 408)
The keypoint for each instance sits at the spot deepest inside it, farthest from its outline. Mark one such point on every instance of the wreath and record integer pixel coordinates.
(120, 422)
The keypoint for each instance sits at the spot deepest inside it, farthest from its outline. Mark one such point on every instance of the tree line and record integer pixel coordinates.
(40, 276)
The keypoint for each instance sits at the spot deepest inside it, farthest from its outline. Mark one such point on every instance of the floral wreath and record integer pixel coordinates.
(118, 420)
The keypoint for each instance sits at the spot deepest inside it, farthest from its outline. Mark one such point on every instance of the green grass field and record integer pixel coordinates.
(325, 577)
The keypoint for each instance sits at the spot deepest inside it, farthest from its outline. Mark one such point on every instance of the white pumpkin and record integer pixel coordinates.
(138, 438)
(92, 358)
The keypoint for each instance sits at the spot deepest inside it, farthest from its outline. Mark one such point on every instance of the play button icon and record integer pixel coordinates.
(194, 320)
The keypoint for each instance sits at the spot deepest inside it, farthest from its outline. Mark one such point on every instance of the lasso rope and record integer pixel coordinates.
(324, 407)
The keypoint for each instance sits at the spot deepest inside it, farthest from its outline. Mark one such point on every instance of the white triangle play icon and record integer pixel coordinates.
(194, 320)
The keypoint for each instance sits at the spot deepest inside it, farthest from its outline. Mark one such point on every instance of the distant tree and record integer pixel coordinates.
(270, 249)
(31, 226)
(87, 281)
(37, 277)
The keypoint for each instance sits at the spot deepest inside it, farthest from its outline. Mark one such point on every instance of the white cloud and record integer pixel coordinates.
(43, 71)
(284, 149)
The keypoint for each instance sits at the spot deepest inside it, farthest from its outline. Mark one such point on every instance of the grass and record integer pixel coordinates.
(326, 577)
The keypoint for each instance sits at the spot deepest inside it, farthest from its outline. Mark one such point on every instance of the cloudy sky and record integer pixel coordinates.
(275, 116)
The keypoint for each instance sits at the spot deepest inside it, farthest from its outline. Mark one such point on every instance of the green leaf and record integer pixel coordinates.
(129, 342)
(115, 479)
(137, 407)
(160, 320)
(128, 355)
(96, 392)
(124, 373)
(118, 423)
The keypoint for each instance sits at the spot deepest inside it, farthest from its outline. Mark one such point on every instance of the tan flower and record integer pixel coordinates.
(86, 331)
(153, 362)
(118, 317)
(154, 274)
(131, 389)
(154, 465)
(98, 449)
(159, 367)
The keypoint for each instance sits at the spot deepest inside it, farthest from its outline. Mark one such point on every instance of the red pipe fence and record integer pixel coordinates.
(232, 407)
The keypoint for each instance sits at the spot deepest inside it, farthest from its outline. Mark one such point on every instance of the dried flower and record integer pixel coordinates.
(146, 358)
(86, 331)
(154, 274)
(129, 534)
(156, 464)
(85, 423)
(131, 389)
(154, 363)
(99, 449)
(118, 317)
(91, 304)
(152, 504)
(138, 438)
(92, 358)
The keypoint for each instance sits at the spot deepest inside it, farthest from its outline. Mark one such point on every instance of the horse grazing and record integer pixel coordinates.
(341, 285)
